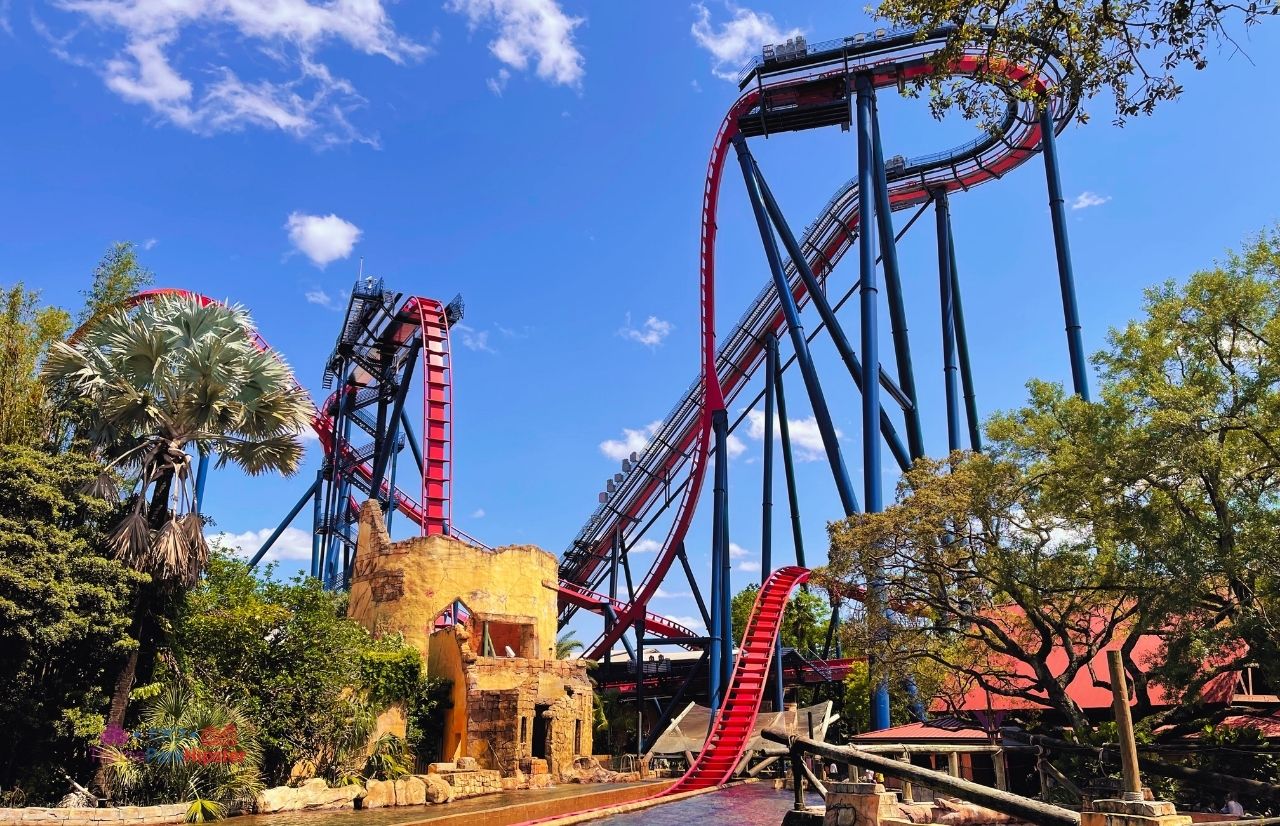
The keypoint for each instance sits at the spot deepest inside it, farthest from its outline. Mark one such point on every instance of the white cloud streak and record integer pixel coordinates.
(645, 546)
(1088, 199)
(529, 32)
(474, 339)
(322, 238)
(320, 298)
(632, 441)
(651, 333)
(172, 57)
(738, 39)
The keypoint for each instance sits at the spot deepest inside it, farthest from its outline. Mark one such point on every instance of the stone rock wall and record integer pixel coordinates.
(133, 815)
(313, 795)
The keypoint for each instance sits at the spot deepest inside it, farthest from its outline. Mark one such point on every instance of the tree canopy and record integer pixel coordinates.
(804, 625)
(1133, 50)
(1151, 511)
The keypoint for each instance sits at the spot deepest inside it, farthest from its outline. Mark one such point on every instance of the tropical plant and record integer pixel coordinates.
(188, 748)
(171, 375)
(566, 644)
(389, 758)
(117, 278)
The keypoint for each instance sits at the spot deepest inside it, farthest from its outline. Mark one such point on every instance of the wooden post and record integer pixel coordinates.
(1002, 771)
(1124, 727)
(908, 794)
(797, 778)
(953, 764)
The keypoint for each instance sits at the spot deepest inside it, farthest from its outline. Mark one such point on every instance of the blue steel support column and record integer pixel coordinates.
(317, 517)
(726, 571)
(202, 476)
(945, 285)
(1066, 280)
(962, 347)
(640, 680)
(788, 463)
(828, 316)
(870, 350)
(719, 555)
(893, 289)
(817, 400)
(766, 522)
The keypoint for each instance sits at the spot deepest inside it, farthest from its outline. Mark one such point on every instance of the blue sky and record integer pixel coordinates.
(546, 160)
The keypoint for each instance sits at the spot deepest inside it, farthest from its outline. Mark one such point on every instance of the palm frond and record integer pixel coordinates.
(130, 541)
(282, 454)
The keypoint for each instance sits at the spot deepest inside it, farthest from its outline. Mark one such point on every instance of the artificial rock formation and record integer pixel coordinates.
(485, 621)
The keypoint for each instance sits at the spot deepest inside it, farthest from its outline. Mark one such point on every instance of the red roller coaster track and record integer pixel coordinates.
(686, 444)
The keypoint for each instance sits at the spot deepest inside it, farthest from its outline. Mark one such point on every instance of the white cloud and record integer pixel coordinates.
(749, 566)
(695, 85)
(1088, 199)
(650, 334)
(737, 40)
(645, 546)
(632, 441)
(320, 298)
(149, 244)
(308, 435)
(806, 438)
(294, 545)
(322, 238)
(498, 84)
(663, 593)
(478, 513)
(172, 57)
(692, 623)
(736, 551)
(735, 447)
(528, 31)
(474, 339)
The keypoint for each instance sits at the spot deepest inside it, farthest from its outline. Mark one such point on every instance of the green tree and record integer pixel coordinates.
(171, 375)
(804, 624)
(64, 616)
(1178, 463)
(26, 331)
(118, 277)
(310, 679)
(1134, 50)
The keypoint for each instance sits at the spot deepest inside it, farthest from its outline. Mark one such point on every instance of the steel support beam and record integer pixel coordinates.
(719, 552)
(789, 465)
(893, 289)
(673, 706)
(871, 468)
(945, 286)
(771, 365)
(317, 513)
(962, 349)
(820, 303)
(202, 476)
(693, 585)
(1066, 279)
(818, 401)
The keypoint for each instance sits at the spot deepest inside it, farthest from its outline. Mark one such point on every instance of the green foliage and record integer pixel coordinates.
(186, 748)
(615, 723)
(854, 705)
(804, 625)
(311, 680)
(1133, 50)
(389, 759)
(64, 616)
(391, 671)
(26, 331)
(117, 278)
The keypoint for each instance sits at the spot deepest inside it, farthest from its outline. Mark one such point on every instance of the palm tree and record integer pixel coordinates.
(163, 378)
(566, 644)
